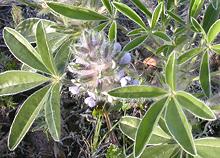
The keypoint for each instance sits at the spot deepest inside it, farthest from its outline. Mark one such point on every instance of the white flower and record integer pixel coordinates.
(123, 82)
(91, 95)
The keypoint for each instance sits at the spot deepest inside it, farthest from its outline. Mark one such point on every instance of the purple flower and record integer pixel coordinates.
(74, 90)
(90, 102)
(135, 82)
(117, 47)
(120, 74)
(126, 59)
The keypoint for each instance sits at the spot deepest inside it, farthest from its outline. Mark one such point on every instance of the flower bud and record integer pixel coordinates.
(117, 47)
(126, 59)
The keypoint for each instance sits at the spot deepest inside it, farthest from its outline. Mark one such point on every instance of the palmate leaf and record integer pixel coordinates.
(52, 111)
(208, 147)
(23, 50)
(170, 4)
(25, 117)
(13, 82)
(178, 126)
(101, 26)
(27, 28)
(44, 49)
(211, 15)
(135, 32)
(213, 31)
(171, 71)
(131, 14)
(137, 92)
(197, 26)
(162, 35)
(112, 34)
(142, 7)
(194, 105)
(176, 17)
(135, 43)
(189, 55)
(78, 13)
(195, 7)
(147, 125)
(204, 75)
(156, 15)
(158, 151)
(62, 56)
(216, 48)
(108, 5)
(128, 125)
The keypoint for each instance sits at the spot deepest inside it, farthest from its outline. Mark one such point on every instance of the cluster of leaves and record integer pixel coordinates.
(165, 125)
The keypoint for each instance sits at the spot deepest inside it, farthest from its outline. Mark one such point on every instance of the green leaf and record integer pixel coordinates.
(147, 125)
(197, 27)
(216, 48)
(213, 31)
(159, 151)
(129, 124)
(195, 106)
(171, 71)
(208, 147)
(25, 117)
(27, 28)
(189, 55)
(73, 12)
(195, 7)
(22, 49)
(135, 32)
(131, 14)
(142, 7)
(62, 56)
(107, 4)
(166, 49)
(112, 34)
(162, 35)
(162, 124)
(178, 126)
(52, 112)
(204, 75)
(13, 82)
(170, 4)
(101, 26)
(44, 49)
(176, 17)
(137, 92)
(156, 15)
(134, 43)
(211, 15)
